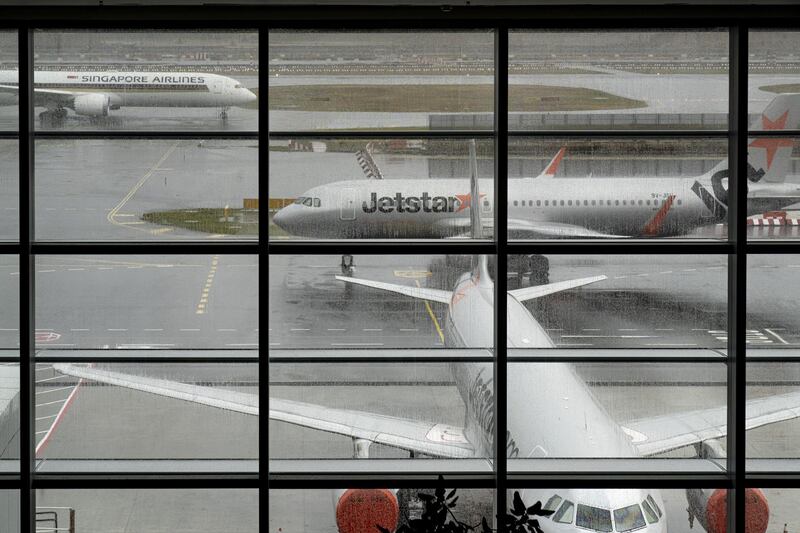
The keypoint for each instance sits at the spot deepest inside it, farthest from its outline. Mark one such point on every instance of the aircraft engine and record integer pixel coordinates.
(360, 510)
(710, 509)
(95, 105)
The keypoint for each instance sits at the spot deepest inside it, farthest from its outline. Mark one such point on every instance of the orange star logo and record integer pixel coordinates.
(772, 145)
(465, 201)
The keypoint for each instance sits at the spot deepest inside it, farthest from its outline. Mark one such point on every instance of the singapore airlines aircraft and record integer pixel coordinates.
(549, 207)
(534, 395)
(95, 93)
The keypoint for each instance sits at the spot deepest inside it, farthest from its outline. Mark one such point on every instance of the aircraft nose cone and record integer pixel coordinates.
(281, 218)
(250, 96)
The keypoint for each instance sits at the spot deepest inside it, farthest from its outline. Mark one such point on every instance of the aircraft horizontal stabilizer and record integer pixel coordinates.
(420, 293)
(240, 402)
(669, 432)
(530, 293)
(438, 440)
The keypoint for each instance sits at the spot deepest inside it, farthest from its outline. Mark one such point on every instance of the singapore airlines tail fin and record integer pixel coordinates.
(769, 158)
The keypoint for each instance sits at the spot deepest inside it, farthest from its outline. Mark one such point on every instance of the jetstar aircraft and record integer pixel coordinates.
(93, 94)
(549, 207)
(552, 413)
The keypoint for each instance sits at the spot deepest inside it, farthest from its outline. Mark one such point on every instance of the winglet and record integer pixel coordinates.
(530, 293)
(551, 169)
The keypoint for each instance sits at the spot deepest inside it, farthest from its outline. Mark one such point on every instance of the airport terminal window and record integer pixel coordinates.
(132, 336)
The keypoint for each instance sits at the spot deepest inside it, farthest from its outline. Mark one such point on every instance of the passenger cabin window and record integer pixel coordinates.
(565, 513)
(552, 503)
(629, 518)
(649, 513)
(594, 518)
(654, 504)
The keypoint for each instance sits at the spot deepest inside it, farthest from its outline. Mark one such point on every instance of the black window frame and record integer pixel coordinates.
(738, 20)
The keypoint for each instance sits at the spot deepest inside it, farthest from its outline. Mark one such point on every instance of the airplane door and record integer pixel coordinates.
(347, 204)
(486, 206)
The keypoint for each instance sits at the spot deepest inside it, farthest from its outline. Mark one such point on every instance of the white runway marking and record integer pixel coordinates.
(772, 332)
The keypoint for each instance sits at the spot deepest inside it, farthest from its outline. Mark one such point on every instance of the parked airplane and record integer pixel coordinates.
(546, 207)
(95, 93)
(552, 413)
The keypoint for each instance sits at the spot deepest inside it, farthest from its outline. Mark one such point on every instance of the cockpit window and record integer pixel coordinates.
(552, 503)
(594, 518)
(308, 202)
(651, 515)
(654, 504)
(317, 202)
(629, 518)
(300, 200)
(565, 514)
(237, 86)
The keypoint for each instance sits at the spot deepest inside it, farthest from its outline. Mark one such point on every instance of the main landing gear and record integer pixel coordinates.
(223, 114)
(53, 117)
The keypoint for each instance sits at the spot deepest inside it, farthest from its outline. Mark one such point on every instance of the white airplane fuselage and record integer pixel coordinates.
(137, 89)
(551, 411)
(438, 208)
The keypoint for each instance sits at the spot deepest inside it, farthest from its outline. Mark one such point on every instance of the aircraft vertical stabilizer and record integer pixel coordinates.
(769, 158)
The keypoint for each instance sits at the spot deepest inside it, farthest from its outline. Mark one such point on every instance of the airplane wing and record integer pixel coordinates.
(530, 293)
(527, 229)
(43, 97)
(240, 402)
(421, 293)
(669, 432)
(438, 440)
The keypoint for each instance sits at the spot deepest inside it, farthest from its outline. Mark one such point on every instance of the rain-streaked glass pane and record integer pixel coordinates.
(618, 79)
(422, 405)
(381, 80)
(773, 190)
(619, 301)
(355, 510)
(9, 420)
(773, 68)
(9, 510)
(379, 189)
(9, 190)
(121, 417)
(773, 301)
(150, 510)
(783, 511)
(9, 311)
(9, 112)
(146, 80)
(175, 190)
(420, 301)
(621, 412)
(163, 302)
(773, 394)
(617, 188)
